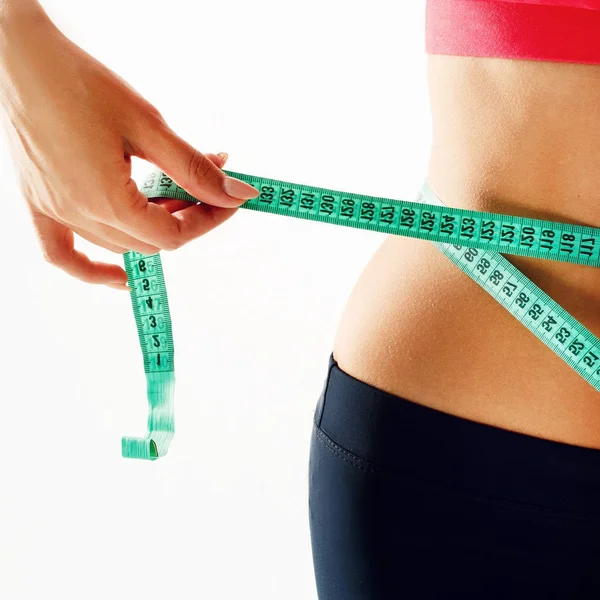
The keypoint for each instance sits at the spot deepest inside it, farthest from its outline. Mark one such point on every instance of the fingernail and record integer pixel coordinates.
(224, 156)
(239, 189)
(119, 286)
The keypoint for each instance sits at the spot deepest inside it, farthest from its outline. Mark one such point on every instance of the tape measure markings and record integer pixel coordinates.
(535, 310)
(153, 321)
(537, 238)
(546, 319)
(472, 240)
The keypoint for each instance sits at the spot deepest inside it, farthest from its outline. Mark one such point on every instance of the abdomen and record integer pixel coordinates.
(509, 136)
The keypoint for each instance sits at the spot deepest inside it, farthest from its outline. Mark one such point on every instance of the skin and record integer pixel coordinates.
(56, 101)
(519, 137)
(513, 137)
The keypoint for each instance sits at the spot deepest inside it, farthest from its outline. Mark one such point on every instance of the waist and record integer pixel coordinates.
(517, 137)
(417, 327)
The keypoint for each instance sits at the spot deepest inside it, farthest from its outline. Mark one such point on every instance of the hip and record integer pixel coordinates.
(398, 491)
(417, 327)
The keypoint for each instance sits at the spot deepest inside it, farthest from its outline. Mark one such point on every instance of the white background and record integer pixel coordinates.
(322, 92)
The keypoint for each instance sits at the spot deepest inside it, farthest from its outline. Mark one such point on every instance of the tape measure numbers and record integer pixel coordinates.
(153, 320)
(473, 240)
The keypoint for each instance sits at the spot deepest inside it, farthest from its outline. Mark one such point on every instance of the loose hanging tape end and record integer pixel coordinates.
(143, 448)
(161, 420)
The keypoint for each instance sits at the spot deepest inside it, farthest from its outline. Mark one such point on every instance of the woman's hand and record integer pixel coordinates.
(73, 125)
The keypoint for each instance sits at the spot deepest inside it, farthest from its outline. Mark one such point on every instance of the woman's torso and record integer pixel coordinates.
(515, 137)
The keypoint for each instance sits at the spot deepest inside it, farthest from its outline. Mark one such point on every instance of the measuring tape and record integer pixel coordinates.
(470, 239)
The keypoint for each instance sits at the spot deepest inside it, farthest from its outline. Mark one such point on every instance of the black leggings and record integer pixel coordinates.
(410, 502)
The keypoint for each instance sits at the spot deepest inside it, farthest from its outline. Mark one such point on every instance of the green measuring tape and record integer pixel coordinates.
(470, 239)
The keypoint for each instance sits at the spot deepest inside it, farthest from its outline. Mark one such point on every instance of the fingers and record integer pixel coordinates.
(57, 245)
(149, 227)
(119, 238)
(173, 205)
(191, 169)
(153, 223)
(204, 217)
(98, 241)
(112, 239)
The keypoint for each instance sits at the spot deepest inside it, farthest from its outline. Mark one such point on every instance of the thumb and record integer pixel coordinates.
(173, 205)
(192, 170)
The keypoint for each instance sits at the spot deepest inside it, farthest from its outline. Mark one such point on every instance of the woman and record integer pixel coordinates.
(453, 454)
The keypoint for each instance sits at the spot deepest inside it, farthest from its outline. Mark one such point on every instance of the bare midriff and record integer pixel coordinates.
(514, 137)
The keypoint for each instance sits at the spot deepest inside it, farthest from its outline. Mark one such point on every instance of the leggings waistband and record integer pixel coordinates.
(388, 433)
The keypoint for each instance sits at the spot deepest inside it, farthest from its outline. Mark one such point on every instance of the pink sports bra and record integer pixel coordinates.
(554, 30)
